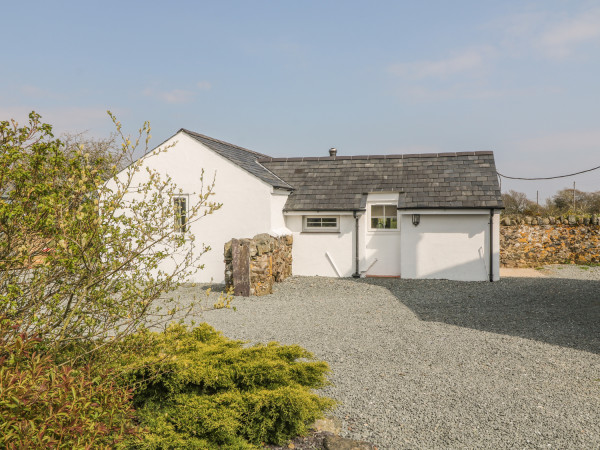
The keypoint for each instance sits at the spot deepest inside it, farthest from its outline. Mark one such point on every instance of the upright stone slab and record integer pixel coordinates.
(270, 261)
(240, 250)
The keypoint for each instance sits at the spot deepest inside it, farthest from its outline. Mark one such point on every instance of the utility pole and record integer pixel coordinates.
(573, 196)
(537, 197)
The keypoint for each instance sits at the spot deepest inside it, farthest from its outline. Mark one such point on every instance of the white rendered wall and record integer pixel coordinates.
(449, 245)
(310, 249)
(496, 246)
(246, 200)
(278, 199)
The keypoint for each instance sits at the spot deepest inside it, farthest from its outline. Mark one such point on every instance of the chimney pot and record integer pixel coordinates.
(332, 152)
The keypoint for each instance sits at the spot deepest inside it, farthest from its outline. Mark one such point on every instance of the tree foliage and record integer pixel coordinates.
(565, 201)
(573, 200)
(517, 203)
(82, 258)
(104, 154)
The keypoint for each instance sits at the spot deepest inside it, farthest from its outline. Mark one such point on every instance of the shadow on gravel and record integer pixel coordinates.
(556, 311)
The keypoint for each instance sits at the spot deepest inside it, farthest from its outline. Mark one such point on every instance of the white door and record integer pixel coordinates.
(382, 240)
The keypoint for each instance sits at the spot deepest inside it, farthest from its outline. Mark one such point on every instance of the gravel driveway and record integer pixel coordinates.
(443, 364)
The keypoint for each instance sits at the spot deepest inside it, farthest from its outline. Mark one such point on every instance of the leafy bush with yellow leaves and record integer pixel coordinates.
(199, 389)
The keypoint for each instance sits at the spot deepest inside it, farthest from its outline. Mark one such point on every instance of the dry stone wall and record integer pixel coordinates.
(268, 260)
(535, 241)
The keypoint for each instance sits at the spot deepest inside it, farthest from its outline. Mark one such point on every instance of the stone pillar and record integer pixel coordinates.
(269, 261)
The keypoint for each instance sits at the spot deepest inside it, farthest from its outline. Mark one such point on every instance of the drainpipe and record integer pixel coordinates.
(357, 273)
(491, 245)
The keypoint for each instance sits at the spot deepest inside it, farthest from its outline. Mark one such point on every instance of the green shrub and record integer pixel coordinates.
(198, 389)
(43, 405)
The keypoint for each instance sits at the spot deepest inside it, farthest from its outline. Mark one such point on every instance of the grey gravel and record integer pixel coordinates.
(573, 271)
(443, 364)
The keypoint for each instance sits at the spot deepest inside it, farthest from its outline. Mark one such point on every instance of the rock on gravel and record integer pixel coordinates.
(444, 364)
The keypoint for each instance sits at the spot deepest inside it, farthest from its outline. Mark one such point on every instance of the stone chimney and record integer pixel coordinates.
(332, 152)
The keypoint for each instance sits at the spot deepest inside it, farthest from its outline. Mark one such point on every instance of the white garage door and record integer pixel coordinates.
(453, 247)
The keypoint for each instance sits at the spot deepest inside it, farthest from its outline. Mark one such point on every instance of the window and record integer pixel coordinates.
(180, 207)
(384, 217)
(320, 223)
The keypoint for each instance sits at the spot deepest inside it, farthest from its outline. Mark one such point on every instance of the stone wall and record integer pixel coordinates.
(535, 241)
(589, 219)
(270, 261)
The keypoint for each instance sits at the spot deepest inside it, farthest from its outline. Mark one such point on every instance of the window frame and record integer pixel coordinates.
(177, 226)
(384, 217)
(320, 229)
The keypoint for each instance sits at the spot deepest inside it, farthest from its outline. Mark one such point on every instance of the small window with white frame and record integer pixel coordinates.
(321, 223)
(384, 217)
(180, 208)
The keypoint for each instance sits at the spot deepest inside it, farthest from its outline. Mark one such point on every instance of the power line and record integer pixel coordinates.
(548, 178)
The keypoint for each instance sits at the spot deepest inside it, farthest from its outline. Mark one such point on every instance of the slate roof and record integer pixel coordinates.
(242, 157)
(434, 180)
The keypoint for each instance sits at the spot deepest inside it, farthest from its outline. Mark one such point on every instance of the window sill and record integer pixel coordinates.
(320, 232)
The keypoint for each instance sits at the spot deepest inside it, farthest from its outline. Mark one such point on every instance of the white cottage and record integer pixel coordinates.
(409, 216)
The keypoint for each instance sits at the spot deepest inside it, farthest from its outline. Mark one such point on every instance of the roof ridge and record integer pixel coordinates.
(369, 157)
(222, 142)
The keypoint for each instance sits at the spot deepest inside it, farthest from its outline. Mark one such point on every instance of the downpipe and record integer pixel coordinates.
(491, 245)
(356, 273)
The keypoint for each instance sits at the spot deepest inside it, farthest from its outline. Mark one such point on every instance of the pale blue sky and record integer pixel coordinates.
(295, 78)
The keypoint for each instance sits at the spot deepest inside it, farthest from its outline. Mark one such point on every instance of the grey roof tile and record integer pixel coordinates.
(446, 180)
